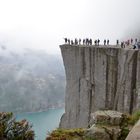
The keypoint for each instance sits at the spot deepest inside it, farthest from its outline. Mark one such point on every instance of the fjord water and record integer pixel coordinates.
(43, 122)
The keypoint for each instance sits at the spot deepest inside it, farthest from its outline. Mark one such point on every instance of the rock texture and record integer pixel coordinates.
(106, 117)
(134, 133)
(99, 78)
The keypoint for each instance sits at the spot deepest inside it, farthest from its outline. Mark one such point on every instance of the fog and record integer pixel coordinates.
(42, 24)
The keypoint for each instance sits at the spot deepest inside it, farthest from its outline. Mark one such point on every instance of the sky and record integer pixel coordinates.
(42, 24)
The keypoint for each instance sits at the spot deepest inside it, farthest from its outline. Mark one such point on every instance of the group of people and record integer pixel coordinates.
(86, 41)
(135, 43)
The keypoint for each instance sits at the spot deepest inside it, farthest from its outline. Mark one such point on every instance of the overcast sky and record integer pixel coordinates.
(42, 24)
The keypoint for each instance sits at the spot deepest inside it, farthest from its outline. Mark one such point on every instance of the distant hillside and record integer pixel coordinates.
(30, 80)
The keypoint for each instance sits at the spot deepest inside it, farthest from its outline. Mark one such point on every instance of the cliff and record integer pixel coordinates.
(99, 78)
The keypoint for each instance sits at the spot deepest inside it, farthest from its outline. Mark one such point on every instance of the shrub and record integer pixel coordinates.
(10, 129)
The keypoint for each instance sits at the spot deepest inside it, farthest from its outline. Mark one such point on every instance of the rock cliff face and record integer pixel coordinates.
(99, 78)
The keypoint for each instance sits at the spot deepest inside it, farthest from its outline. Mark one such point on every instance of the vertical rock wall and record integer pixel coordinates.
(99, 78)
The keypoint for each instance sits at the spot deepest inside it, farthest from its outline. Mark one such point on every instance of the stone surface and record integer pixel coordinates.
(106, 117)
(99, 78)
(99, 133)
(135, 132)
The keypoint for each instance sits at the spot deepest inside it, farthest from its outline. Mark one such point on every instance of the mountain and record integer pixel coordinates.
(30, 80)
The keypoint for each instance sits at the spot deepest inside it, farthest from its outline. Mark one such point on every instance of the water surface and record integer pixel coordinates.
(43, 122)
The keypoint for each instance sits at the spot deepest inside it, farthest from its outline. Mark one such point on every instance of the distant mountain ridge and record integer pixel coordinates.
(30, 80)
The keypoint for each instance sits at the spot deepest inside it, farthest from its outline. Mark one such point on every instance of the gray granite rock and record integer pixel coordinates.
(99, 78)
(106, 117)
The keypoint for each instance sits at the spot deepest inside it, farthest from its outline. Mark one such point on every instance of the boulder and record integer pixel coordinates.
(106, 117)
(103, 132)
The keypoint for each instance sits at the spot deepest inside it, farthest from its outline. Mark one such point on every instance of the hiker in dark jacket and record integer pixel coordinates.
(65, 40)
(69, 41)
(95, 42)
(108, 42)
(83, 41)
(72, 42)
(79, 41)
(117, 42)
(90, 41)
(76, 41)
(104, 41)
(87, 41)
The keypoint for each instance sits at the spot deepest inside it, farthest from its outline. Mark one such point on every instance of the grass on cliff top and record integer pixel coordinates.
(68, 134)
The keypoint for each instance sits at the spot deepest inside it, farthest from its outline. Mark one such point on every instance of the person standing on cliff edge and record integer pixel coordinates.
(98, 41)
(104, 42)
(117, 42)
(65, 40)
(108, 42)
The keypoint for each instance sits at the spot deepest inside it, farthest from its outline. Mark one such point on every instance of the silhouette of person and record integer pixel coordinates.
(98, 41)
(117, 42)
(131, 41)
(104, 41)
(76, 41)
(79, 41)
(90, 41)
(108, 42)
(65, 40)
(83, 41)
(121, 44)
(95, 42)
(87, 41)
(128, 42)
(69, 41)
(72, 42)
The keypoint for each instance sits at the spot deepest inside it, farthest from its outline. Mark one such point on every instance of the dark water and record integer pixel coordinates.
(43, 122)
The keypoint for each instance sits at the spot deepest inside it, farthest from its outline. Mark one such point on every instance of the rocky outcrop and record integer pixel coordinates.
(106, 125)
(106, 117)
(99, 78)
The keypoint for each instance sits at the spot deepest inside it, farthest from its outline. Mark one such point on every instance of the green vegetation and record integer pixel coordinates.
(118, 132)
(123, 129)
(68, 134)
(14, 130)
(134, 117)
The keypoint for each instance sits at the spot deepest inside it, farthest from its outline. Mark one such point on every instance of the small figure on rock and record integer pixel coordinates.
(90, 41)
(87, 41)
(72, 43)
(95, 42)
(104, 41)
(108, 42)
(76, 41)
(122, 44)
(69, 41)
(98, 41)
(117, 42)
(131, 41)
(65, 40)
(83, 41)
(79, 41)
